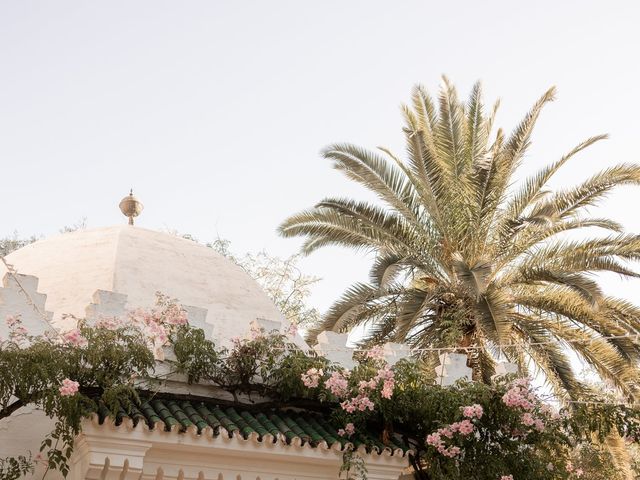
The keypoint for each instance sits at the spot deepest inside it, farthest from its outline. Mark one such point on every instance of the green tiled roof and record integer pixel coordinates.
(285, 424)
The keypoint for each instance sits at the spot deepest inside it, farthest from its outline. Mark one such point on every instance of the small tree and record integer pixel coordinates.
(281, 279)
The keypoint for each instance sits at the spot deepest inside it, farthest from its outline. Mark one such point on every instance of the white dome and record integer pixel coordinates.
(138, 263)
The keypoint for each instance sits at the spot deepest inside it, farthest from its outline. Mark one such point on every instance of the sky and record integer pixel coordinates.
(215, 112)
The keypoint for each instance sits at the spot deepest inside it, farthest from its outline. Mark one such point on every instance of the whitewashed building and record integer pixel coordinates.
(186, 432)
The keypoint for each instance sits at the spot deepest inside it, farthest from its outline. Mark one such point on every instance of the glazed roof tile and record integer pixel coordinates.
(282, 424)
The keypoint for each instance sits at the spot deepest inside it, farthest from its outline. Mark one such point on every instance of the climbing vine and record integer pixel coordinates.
(502, 431)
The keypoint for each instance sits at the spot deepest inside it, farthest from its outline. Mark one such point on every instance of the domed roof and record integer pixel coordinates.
(138, 263)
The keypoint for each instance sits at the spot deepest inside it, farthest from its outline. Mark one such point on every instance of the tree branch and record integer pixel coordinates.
(8, 411)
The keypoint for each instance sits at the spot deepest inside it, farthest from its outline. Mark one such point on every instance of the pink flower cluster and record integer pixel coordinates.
(348, 430)
(520, 396)
(386, 375)
(311, 379)
(338, 383)
(74, 337)
(464, 428)
(435, 440)
(361, 403)
(68, 388)
(173, 314)
(506, 477)
(17, 332)
(156, 324)
(375, 353)
(472, 411)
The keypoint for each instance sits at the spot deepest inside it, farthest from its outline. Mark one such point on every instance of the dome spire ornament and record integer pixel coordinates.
(131, 207)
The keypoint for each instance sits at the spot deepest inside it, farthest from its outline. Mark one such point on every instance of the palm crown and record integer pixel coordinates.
(465, 257)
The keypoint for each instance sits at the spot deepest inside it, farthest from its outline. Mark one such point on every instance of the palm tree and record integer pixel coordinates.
(467, 257)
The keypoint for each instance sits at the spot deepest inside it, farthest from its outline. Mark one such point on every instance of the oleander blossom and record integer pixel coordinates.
(69, 387)
(74, 337)
(386, 375)
(12, 321)
(519, 395)
(527, 419)
(17, 333)
(360, 403)
(174, 314)
(465, 427)
(472, 411)
(350, 429)
(338, 383)
(439, 438)
(375, 353)
(311, 379)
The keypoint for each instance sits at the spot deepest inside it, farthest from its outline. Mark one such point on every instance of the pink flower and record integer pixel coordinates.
(538, 424)
(519, 396)
(69, 387)
(365, 403)
(361, 403)
(175, 315)
(449, 452)
(157, 334)
(311, 379)
(337, 384)
(376, 353)
(472, 411)
(465, 427)
(12, 320)
(447, 431)
(434, 439)
(506, 477)
(350, 429)
(579, 472)
(527, 419)
(387, 388)
(453, 451)
(348, 406)
(74, 337)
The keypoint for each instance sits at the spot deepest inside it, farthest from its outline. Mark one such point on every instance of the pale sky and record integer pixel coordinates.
(215, 111)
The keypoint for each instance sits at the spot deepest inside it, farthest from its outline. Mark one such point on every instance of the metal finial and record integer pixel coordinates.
(131, 207)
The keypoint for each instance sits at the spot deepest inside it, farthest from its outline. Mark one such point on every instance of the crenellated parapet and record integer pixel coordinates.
(19, 297)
